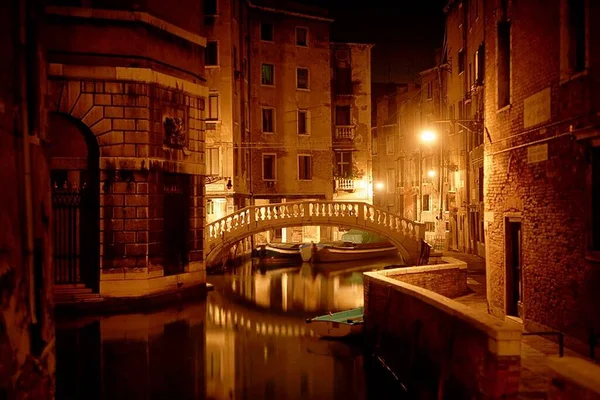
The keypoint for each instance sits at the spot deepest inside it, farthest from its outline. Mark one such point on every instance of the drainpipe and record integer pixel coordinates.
(28, 248)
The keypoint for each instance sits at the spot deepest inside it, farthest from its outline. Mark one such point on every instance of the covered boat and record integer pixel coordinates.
(337, 325)
(285, 252)
(355, 245)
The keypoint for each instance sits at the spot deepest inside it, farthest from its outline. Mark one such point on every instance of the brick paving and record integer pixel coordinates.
(535, 374)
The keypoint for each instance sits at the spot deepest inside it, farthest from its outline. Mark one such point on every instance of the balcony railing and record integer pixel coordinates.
(345, 131)
(344, 184)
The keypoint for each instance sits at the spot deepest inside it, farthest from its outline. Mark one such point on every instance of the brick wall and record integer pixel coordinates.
(449, 280)
(551, 194)
(428, 340)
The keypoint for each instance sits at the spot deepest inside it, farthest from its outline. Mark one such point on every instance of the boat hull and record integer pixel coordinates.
(338, 325)
(274, 254)
(332, 254)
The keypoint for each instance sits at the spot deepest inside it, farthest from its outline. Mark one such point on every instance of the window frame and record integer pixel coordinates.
(306, 37)
(274, 178)
(306, 122)
(349, 114)
(217, 58)
(307, 78)
(389, 138)
(260, 33)
(262, 120)
(428, 203)
(262, 80)
(310, 169)
(209, 107)
(209, 160)
(340, 164)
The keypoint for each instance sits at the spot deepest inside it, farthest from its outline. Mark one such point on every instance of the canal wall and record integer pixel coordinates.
(431, 341)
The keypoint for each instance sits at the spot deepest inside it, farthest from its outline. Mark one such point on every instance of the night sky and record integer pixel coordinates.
(405, 33)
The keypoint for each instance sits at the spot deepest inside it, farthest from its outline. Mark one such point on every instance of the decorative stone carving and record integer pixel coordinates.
(174, 132)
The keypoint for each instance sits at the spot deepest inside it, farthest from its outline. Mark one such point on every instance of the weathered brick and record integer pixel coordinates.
(142, 125)
(136, 200)
(142, 187)
(136, 249)
(142, 237)
(137, 112)
(113, 87)
(142, 212)
(124, 124)
(110, 138)
(136, 224)
(124, 237)
(136, 137)
(123, 150)
(142, 150)
(111, 200)
(102, 99)
(113, 112)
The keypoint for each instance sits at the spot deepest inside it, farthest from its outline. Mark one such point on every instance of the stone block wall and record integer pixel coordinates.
(434, 343)
(141, 163)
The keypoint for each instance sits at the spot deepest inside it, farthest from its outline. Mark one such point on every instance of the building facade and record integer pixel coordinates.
(125, 140)
(284, 103)
(464, 133)
(542, 165)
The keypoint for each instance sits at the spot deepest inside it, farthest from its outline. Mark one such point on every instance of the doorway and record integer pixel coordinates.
(514, 267)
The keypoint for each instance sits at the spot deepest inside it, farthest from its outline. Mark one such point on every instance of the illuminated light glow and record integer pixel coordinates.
(428, 136)
(431, 173)
(379, 185)
(362, 184)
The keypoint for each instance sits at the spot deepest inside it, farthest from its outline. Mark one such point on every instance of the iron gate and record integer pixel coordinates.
(66, 205)
(176, 222)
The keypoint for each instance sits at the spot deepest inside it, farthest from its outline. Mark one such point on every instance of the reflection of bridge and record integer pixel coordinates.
(405, 234)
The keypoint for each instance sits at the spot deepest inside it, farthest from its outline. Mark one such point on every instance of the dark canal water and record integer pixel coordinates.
(247, 340)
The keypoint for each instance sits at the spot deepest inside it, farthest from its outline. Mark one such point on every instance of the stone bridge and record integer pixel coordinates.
(403, 233)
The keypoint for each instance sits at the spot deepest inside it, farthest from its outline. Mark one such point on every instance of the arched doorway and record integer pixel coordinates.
(74, 169)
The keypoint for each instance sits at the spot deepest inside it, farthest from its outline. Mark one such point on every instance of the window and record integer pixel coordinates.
(389, 145)
(596, 198)
(267, 74)
(268, 120)
(266, 32)
(211, 53)
(429, 90)
(302, 122)
(269, 167)
(343, 162)
(213, 161)
(479, 60)
(342, 115)
(401, 173)
(302, 78)
(210, 7)
(503, 64)
(425, 204)
(305, 167)
(391, 181)
(576, 35)
(480, 184)
(343, 80)
(213, 107)
(301, 36)
(461, 61)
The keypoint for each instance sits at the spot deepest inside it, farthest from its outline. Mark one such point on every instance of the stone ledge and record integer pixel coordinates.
(132, 16)
(449, 263)
(131, 74)
(504, 336)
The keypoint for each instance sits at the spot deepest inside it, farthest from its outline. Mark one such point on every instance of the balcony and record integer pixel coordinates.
(344, 184)
(344, 132)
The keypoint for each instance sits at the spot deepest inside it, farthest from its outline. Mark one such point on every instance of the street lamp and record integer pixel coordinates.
(428, 136)
(431, 173)
(379, 186)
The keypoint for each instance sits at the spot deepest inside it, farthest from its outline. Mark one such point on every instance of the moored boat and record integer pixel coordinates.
(330, 253)
(338, 325)
(284, 252)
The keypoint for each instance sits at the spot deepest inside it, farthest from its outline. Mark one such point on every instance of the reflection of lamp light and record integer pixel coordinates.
(229, 184)
(379, 185)
(431, 173)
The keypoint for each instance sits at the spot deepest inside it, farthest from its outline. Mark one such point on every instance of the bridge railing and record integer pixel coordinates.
(312, 212)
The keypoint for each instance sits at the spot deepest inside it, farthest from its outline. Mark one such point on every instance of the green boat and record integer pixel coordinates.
(338, 325)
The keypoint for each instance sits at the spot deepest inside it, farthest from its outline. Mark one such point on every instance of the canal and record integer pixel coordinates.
(247, 340)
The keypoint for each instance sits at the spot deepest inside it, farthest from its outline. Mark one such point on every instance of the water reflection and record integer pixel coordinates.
(248, 340)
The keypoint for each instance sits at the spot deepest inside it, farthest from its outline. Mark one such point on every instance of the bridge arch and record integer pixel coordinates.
(403, 233)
